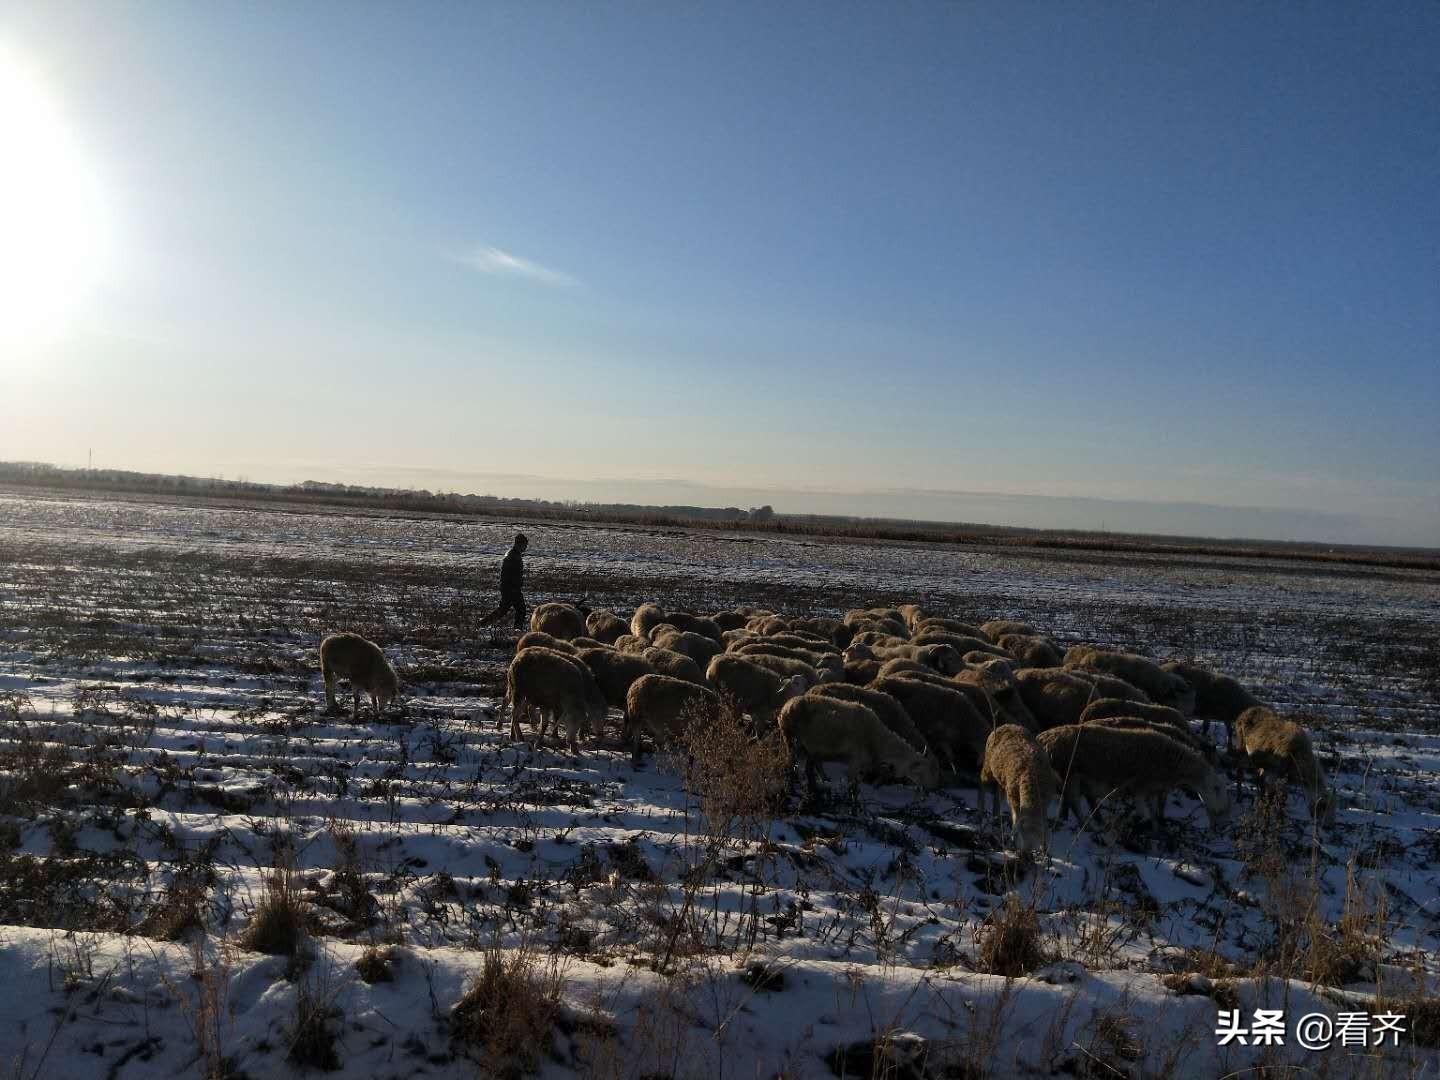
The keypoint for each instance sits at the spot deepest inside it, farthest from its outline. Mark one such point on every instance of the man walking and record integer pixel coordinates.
(512, 584)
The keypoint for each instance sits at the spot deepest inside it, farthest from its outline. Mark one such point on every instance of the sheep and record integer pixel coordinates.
(937, 657)
(880, 639)
(976, 657)
(1101, 708)
(1217, 697)
(832, 630)
(646, 616)
(1054, 697)
(540, 639)
(995, 629)
(935, 625)
(1031, 651)
(350, 656)
(770, 647)
(663, 706)
(558, 620)
(695, 624)
(631, 643)
(961, 645)
(861, 672)
(871, 621)
(767, 624)
(605, 626)
(803, 639)
(891, 713)
(698, 647)
(1163, 687)
(676, 665)
(1093, 760)
(911, 614)
(952, 726)
(831, 729)
(756, 691)
(786, 667)
(615, 672)
(902, 667)
(998, 681)
(1105, 686)
(586, 642)
(1273, 745)
(729, 620)
(1184, 736)
(558, 685)
(735, 638)
(1019, 766)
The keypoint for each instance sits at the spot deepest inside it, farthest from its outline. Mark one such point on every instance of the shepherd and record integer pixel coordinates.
(512, 585)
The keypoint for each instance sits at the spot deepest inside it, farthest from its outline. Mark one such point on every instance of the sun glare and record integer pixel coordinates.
(53, 236)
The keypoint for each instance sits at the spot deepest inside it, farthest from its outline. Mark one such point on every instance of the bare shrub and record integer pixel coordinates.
(739, 781)
(278, 925)
(1010, 941)
(506, 1014)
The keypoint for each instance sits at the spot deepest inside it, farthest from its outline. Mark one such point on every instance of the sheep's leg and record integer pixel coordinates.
(572, 733)
(636, 735)
(331, 705)
(355, 701)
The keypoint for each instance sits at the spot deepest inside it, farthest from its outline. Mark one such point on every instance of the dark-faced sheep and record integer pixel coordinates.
(557, 685)
(1019, 766)
(755, 691)
(563, 621)
(605, 626)
(820, 729)
(663, 707)
(352, 657)
(1094, 760)
(1162, 687)
(1274, 746)
(1217, 697)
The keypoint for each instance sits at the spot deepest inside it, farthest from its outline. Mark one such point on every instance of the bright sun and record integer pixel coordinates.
(53, 235)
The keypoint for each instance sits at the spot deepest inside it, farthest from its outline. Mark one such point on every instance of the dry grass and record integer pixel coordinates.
(505, 1016)
(278, 925)
(1010, 941)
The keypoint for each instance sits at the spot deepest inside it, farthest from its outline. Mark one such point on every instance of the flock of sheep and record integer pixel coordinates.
(896, 695)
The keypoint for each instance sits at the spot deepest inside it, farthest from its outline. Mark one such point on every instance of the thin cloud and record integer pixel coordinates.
(492, 260)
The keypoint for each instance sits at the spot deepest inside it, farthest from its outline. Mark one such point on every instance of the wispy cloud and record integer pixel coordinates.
(492, 260)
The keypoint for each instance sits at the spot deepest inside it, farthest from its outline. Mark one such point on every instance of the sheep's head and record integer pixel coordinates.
(1215, 794)
(793, 687)
(944, 659)
(922, 770)
(1180, 696)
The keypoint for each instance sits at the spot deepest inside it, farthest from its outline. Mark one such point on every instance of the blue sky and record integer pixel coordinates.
(854, 254)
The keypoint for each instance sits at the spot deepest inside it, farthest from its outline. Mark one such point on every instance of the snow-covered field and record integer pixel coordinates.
(163, 750)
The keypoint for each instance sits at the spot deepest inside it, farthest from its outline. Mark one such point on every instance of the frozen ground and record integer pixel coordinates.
(163, 749)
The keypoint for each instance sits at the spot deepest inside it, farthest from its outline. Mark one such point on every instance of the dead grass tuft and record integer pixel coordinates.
(506, 1014)
(278, 926)
(1010, 942)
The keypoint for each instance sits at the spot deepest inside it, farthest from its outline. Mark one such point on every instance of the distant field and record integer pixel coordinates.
(163, 750)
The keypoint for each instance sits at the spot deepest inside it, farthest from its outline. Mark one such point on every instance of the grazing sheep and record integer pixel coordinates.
(832, 630)
(977, 657)
(1217, 697)
(563, 621)
(539, 639)
(631, 643)
(786, 668)
(662, 706)
(891, 713)
(615, 672)
(911, 614)
(1105, 686)
(350, 656)
(770, 647)
(1054, 697)
(768, 624)
(1092, 760)
(696, 624)
(698, 647)
(729, 620)
(862, 621)
(935, 625)
(1275, 746)
(878, 639)
(756, 691)
(862, 672)
(646, 617)
(558, 686)
(605, 626)
(1031, 651)
(1185, 737)
(901, 667)
(1019, 766)
(941, 658)
(831, 729)
(953, 728)
(961, 645)
(676, 665)
(1102, 708)
(586, 642)
(803, 639)
(1160, 685)
(998, 683)
(995, 629)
